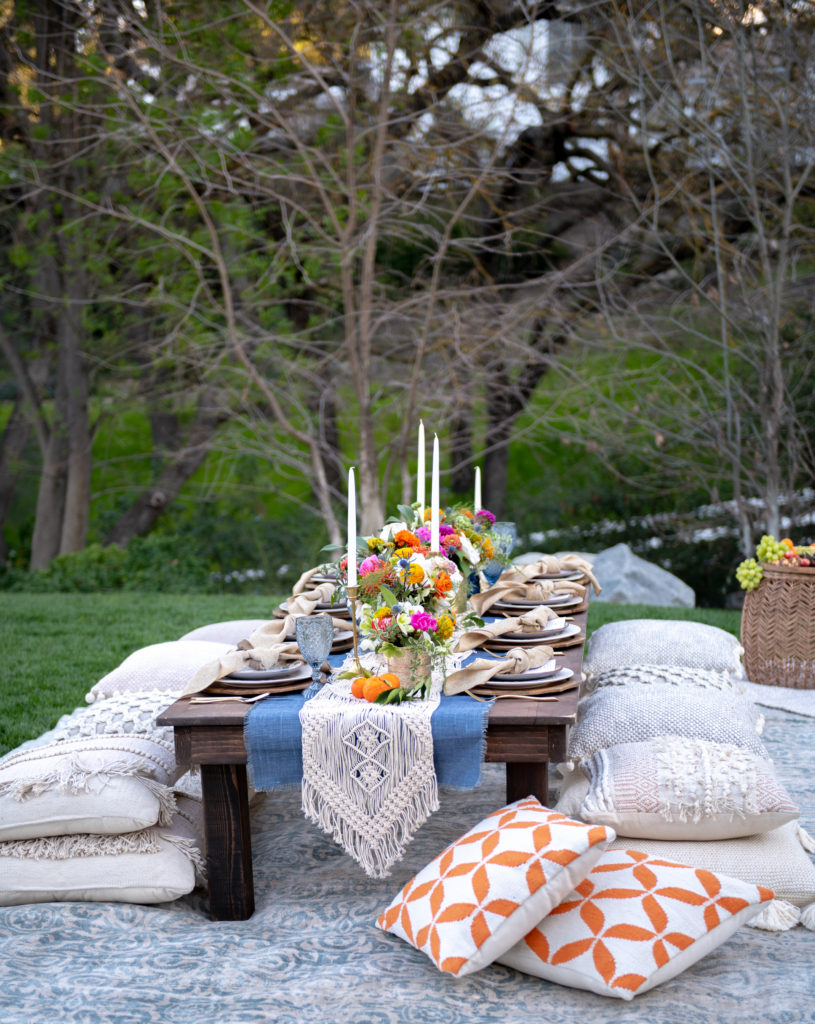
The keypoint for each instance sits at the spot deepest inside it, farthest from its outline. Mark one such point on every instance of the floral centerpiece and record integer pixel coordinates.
(411, 596)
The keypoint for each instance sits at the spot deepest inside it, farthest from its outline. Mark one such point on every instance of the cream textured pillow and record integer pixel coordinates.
(104, 784)
(662, 642)
(671, 787)
(776, 860)
(120, 714)
(168, 666)
(231, 632)
(668, 675)
(625, 714)
(486, 890)
(153, 865)
(633, 923)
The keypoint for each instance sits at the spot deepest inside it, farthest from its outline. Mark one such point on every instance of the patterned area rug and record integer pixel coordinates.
(311, 953)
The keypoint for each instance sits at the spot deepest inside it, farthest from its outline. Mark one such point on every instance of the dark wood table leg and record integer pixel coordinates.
(229, 842)
(525, 778)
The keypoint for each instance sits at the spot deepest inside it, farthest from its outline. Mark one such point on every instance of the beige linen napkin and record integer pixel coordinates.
(523, 590)
(551, 564)
(264, 657)
(305, 579)
(515, 661)
(305, 603)
(532, 621)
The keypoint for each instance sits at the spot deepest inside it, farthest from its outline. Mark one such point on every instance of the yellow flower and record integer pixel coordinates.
(445, 626)
(382, 613)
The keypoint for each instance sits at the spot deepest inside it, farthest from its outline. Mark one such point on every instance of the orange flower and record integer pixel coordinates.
(443, 584)
(406, 539)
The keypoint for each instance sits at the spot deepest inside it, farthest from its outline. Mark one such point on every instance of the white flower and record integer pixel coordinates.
(468, 550)
(391, 529)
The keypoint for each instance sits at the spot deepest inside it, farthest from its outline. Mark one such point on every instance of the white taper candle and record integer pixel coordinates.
(420, 472)
(477, 496)
(435, 542)
(352, 530)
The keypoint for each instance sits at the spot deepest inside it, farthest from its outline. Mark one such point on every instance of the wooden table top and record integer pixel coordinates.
(506, 711)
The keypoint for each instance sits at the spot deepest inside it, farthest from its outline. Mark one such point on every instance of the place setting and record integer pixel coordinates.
(519, 672)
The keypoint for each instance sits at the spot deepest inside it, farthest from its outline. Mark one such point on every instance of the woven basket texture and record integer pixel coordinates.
(778, 628)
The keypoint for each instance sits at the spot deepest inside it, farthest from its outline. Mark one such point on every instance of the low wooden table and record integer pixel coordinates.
(525, 735)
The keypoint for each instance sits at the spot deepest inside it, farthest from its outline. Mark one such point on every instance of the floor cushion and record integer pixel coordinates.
(635, 922)
(662, 642)
(167, 666)
(624, 714)
(229, 632)
(673, 787)
(486, 890)
(132, 713)
(100, 784)
(153, 865)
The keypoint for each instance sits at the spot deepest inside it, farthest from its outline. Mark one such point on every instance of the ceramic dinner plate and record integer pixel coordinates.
(256, 674)
(564, 574)
(523, 680)
(549, 668)
(293, 674)
(569, 630)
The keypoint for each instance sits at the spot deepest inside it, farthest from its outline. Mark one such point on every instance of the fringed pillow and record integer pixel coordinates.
(667, 675)
(120, 714)
(486, 890)
(633, 923)
(676, 788)
(153, 865)
(229, 632)
(104, 784)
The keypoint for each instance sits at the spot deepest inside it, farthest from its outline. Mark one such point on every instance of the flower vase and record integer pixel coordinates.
(410, 666)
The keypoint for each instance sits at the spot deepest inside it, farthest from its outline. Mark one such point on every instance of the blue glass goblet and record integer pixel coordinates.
(315, 635)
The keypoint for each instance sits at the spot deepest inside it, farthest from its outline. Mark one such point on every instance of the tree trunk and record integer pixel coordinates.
(15, 439)
(50, 501)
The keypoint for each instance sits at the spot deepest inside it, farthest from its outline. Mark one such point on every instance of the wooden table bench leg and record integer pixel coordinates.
(528, 777)
(229, 841)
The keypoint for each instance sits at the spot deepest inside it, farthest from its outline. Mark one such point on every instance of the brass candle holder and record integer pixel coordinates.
(353, 594)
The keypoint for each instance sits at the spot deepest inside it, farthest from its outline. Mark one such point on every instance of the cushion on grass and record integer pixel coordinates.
(625, 714)
(633, 923)
(230, 632)
(662, 642)
(103, 784)
(153, 865)
(671, 787)
(486, 890)
(168, 666)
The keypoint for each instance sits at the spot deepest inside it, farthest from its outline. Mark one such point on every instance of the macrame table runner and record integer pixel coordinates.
(368, 798)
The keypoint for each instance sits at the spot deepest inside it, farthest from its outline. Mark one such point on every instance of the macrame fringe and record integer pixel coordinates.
(375, 853)
(806, 839)
(72, 776)
(776, 916)
(165, 796)
(82, 845)
(192, 851)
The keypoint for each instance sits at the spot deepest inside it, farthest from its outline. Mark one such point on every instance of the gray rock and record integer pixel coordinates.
(628, 579)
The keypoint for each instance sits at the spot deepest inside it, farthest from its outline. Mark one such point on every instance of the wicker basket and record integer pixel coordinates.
(778, 628)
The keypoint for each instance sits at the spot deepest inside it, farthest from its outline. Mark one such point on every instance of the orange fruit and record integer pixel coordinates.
(374, 686)
(392, 678)
(357, 684)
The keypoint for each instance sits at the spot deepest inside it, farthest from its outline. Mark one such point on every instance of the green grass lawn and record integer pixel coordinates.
(58, 645)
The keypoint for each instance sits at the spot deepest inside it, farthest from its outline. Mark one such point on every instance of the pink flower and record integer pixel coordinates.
(382, 624)
(486, 515)
(370, 564)
(445, 530)
(423, 623)
(423, 533)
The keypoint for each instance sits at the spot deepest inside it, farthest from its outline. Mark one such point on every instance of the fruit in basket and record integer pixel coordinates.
(773, 552)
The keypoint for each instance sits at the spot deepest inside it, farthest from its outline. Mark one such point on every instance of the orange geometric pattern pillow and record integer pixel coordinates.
(486, 890)
(634, 922)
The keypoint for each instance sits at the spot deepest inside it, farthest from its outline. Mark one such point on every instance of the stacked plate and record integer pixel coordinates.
(564, 574)
(340, 610)
(517, 607)
(547, 678)
(288, 678)
(556, 631)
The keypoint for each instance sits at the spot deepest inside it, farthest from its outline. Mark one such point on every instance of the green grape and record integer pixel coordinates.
(749, 574)
(769, 549)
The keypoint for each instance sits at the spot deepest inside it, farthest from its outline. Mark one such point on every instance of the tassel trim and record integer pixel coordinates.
(806, 839)
(776, 916)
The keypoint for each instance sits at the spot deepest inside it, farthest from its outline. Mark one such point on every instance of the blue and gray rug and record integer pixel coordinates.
(312, 953)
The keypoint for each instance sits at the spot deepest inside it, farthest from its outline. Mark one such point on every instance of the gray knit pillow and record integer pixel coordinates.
(666, 675)
(630, 714)
(662, 642)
